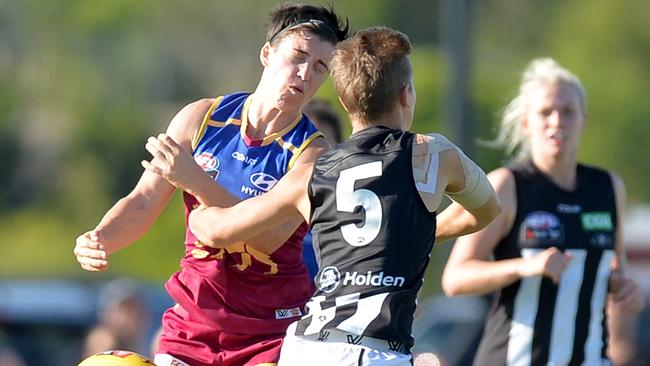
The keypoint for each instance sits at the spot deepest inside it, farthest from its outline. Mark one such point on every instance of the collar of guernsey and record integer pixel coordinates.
(232, 109)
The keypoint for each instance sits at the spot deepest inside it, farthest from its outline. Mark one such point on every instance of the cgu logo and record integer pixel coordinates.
(243, 158)
(594, 221)
(263, 181)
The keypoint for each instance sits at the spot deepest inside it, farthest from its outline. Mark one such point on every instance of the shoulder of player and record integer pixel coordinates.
(617, 181)
(501, 178)
(197, 109)
(187, 122)
(434, 139)
(619, 189)
(313, 151)
(431, 144)
(503, 182)
(424, 146)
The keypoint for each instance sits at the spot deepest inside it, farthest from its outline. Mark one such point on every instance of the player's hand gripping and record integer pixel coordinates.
(626, 293)
(90, 252)
(550, 263)
(171, 161)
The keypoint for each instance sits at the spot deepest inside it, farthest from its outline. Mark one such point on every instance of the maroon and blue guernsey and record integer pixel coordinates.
(239, 289)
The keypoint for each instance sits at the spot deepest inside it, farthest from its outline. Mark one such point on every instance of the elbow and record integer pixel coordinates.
(458, 278)
(214, 236)
(208, 232)
(449, 286)
(488, 214)
(209, 239)
(448, 290)
(495, 208)
(496, 211)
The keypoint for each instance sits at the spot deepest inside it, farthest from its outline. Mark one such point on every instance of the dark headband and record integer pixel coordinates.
(315, 22)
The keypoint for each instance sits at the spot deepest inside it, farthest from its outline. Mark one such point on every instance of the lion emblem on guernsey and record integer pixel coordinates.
(245, 252)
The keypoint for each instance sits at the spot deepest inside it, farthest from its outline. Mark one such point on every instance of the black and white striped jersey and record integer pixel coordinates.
(533, 321)
(373, 237)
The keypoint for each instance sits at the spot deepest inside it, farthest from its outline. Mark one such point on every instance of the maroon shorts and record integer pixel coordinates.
(199, 345)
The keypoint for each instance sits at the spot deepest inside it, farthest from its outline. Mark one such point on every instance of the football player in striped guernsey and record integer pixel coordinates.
(328, 121)
(556, 246)
(372, 203)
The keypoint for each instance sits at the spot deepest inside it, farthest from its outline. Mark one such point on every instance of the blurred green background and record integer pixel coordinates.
(83, 83)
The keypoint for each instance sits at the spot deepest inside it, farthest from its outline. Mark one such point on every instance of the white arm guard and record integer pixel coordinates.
(477, 187)
(425, 161)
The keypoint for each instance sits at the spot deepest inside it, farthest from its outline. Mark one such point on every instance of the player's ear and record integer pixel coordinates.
(523, 125)
(344, 106)
(405, 95)
(264, 54)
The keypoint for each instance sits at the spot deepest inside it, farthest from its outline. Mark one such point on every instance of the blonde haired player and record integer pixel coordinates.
(556, 245)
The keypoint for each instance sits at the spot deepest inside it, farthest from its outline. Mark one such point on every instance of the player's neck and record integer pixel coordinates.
(562, 172)
(264, 120)
(394, 119)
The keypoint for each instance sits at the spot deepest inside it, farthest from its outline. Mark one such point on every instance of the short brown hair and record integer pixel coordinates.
(322, 21)
(370, 69)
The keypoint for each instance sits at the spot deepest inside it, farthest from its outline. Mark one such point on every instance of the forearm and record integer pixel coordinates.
(265, 222)
(125, 223)
(206, 224)
(457, 221)
(219, 227)
(271, 240)
(454, 222)
(209, 193)
(480, 277)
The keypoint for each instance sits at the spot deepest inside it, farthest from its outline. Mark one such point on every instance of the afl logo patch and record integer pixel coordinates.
(263, 181)
(207, 161)
(329, 279)
(540, 220)
(543, 228)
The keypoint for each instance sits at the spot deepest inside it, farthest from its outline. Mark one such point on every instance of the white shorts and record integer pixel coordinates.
(309, 351)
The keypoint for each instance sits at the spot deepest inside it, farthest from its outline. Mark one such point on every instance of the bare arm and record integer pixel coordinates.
(626, 295)
(281, 233)
(462, 218)
(440, 168)
(470, 270)
(287, 201)
(455, 220)
(175, 163)
(133, 215)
